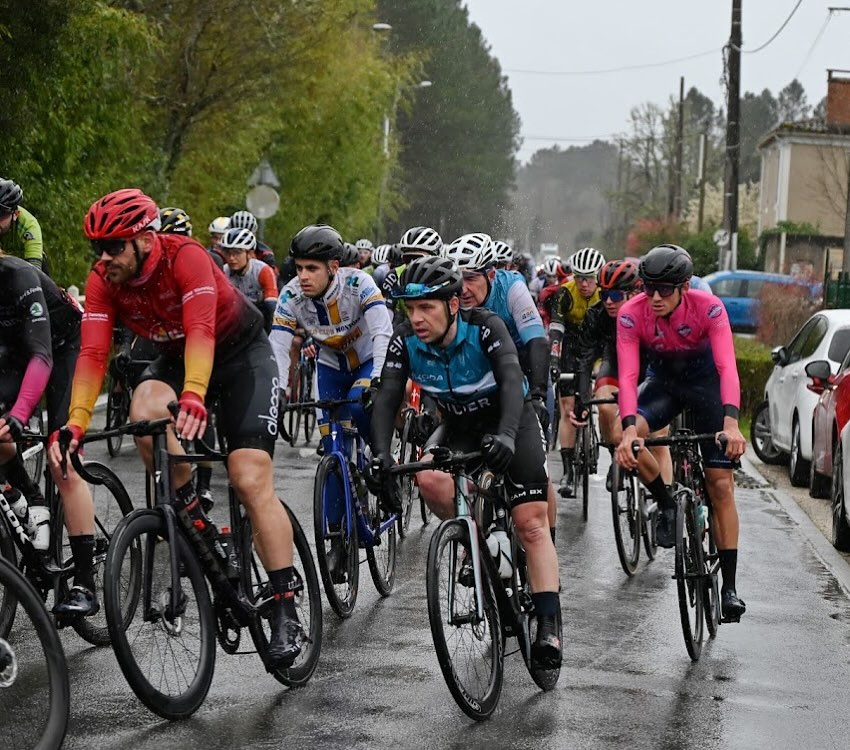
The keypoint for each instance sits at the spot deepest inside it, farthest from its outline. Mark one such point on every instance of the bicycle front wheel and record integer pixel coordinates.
(308, 602)
(34, 690)
(111, 504)
(381, 555)
(117, 411)
(469, 647)
(8, 602)
(624, 508)
(308, 413)
(293, 416)
(690, 580)
(166, 651)
(712, 584)
(406, 454)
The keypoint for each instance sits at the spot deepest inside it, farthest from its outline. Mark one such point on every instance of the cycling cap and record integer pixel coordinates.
(237, 238)
(421, 240)
(219, 225)
(121, 215)
(551, 266)
(619, 274)
(503, 251)
(429, 277)
(350, 255)
(175, 221)
(472, 252)
(587, 262)
(666, 264)
(244, 220)
(317, 242)
(11, 195)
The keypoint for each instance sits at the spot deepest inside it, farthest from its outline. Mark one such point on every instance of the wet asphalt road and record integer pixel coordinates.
(779, 679)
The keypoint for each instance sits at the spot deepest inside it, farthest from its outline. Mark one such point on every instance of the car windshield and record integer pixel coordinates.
(839, 345)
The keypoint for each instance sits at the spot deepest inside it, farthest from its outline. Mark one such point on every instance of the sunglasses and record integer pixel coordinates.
(110, 247)
(582, 277)
(612, 295)
(664, 290)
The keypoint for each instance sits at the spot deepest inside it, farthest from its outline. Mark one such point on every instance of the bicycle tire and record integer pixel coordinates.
(556, 422)
(146, 528)
(382, 555)
(586, 450)
(650, 543)
(117, 413)
(426, 513)
(478, 703)
(711, 606)
(689, 576)
(8, 601)
(624, 512)
(309, 413)
(308, 602)
(94, 629)
(407, 453)
(293, 416)
(342, 595)
(22, 665)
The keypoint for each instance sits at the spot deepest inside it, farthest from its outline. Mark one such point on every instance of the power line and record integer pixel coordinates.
(778, 31)
(814, 43)
(569, 138)
(620, 69)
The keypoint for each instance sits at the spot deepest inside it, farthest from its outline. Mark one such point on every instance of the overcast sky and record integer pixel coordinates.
(576, 35)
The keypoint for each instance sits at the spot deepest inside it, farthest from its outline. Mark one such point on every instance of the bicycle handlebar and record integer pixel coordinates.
(446, 461)
(325, 403)
(719, 438)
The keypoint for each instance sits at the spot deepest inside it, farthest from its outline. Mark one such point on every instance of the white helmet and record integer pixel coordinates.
(423, 240)
(364, 244)
(244, 220)
(503, 251)
(551, 266)
(219, 225)
(586, 262)
(239, 239)
(381, 255)
(472, 252)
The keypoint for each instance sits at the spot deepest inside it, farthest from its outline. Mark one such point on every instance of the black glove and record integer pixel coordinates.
(281, 413)
(367, 395)
(16, 427)
(383, 484)
(123, 359)
(498, 452)
(580, 410)
(539, 405)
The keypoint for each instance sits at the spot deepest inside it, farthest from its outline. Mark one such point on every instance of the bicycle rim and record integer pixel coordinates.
(111, 504)
(382, 555)
(407, 452)
(308, 603)
(650, 543)
(624, 512)
(689, 577)
(586, 449)
(34, 690)
(341, 585)
(8, 600)
(167, 656)
(469, 649)
(712, 584)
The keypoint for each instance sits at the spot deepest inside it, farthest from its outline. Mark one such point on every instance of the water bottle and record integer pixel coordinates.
(22, 511)
(702, 517)
(225, 539)
(500, 550)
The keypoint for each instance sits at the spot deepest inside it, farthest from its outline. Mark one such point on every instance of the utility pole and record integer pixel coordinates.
(680, 145)
(703, 148)
(733, 131)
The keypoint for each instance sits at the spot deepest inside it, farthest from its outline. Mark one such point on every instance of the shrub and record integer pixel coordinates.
(783, 308)
(754, 368)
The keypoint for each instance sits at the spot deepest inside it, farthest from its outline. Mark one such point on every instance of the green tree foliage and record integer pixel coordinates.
(759, 115)
(458, 138)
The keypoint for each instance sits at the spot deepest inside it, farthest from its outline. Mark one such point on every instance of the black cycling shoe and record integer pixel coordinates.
(546, 649)
(665, 530)
(620, 485)
(81, 602)
(336, 562)
(731, 606)
(567, 487)
(206, 498)
(287, 638)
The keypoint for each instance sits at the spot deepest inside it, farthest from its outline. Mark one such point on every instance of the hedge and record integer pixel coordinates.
(754, 368)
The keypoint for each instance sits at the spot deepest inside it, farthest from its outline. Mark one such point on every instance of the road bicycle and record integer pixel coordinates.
(162, 620)
(32, 452)
(34, 690)
(123, 375)
(586, 455)
(50, 570)
(410, 449)
(697, 562)
(301, 392)
(634, 515)
(346, 517)
(472, 616)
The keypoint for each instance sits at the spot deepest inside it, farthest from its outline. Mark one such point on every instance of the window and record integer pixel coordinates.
(814, 338)
(754, 288)
(727, 288)
(797, 342)
(840, 345)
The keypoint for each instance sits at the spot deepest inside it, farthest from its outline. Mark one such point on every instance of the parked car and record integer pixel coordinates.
(840, 489)
(831, 414)
(740, 291)
(782, 423)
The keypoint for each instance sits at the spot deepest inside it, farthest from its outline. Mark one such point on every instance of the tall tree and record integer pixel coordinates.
(759, 115)
(791, 104)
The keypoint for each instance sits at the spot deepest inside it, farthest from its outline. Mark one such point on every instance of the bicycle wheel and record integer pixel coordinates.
(650, 543)
(111, 504)
(8, 601)
(424, 511)
(308, 603)
(33, 451)
(469, 648)
(308, 414)
(556, 422)
(580, 474)
(689, 574)
(34, 690)
(293, 416)
(117, 411)
(381, 555)
(624, 510)
(336, 540)
(167, 656)
(406, 453)
(712, 584)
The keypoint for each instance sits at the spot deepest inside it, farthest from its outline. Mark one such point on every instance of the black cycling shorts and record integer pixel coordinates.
(528, 475)
(661, 399)
(246, 386)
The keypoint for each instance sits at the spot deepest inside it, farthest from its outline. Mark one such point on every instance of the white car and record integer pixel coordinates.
(790, 403)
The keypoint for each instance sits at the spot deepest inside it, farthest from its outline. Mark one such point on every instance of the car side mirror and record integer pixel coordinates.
(779, 355)
(821, 374)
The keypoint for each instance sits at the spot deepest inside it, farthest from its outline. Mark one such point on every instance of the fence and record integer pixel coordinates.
(837, 291)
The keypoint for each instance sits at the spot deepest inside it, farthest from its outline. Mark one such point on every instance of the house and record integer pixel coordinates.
(804, 176)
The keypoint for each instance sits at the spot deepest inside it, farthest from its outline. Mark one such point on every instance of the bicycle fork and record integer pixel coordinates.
(463, 514)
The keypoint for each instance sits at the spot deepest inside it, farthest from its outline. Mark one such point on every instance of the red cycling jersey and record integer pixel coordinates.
(181, 301)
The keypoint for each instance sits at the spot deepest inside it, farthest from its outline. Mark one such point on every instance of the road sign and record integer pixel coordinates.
(263, 201)
(721, 237)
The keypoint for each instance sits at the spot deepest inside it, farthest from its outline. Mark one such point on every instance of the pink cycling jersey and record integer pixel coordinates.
(683, 345)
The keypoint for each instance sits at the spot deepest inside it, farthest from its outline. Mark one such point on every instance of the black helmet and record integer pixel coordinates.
(619, 274)
(175, 221)
(394, 258)
(317, 242)
(350, 255)
(429, 277)
(11, 195)
(666, 264)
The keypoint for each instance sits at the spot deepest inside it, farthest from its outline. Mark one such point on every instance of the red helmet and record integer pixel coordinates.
(619, 274)
(121, 215)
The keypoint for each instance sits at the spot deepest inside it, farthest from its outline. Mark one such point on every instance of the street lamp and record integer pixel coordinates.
(262, 199)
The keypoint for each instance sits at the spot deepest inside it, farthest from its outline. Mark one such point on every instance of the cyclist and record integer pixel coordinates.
(262, 252)
(466, 360)
(345, 314)
(574, 299)
(20, 226)
(40, 340)
(216, 229)
(255, 279)
(350, 257)
(381, 264)
(504, 255)
(548, 295)
(166, 288)
(416, 242)
(686, 337)
(175, 221)
(365, 248)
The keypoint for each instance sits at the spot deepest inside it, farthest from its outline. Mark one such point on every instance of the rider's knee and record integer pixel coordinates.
(720, 486)
(532, 525)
